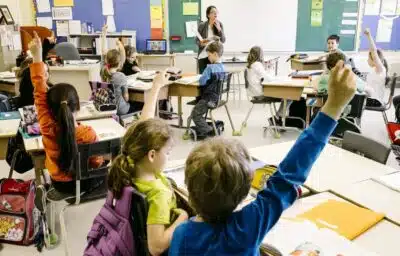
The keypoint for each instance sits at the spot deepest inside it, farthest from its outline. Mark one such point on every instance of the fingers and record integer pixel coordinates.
(336, 70)
(345, 76)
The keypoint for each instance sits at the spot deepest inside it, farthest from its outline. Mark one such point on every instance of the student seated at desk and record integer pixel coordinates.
(208, 92)
(130, 66)
(331, 61)
(56, 108)
(218, 178)
(256, 75)
(146, 147)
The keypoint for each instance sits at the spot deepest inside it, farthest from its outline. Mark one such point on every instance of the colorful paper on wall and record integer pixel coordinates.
(62, 28)
(317, 4)
(156, 12)
(389, 7)
(62, 13)
(63, 2)
(157, 33)
(43, 6)
(191, 8)
(384, 33)
(372, 7)
(156, 23)
(316, 18)
(191, 28)
(155, 2)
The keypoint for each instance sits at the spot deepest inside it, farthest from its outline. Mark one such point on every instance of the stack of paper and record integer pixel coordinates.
(188, 79)
(146, 75)
(391, 181)
(7, 75)
(291, 236)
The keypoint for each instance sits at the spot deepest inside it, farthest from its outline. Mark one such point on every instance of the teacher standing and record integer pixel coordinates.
(210, 30)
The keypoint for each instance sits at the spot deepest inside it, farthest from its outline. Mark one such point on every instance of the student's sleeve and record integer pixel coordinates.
(205, 76)
(221, 34)
(45, 118)
(360, 85)
(261, 72)
(159, 210)
(255, 220)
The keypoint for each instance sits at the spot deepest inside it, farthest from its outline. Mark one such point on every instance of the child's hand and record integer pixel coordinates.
(341, 89)
(367, 32)
(160, 80)
(35, 47)
(120, 45)
(183, 215)
(104, 29)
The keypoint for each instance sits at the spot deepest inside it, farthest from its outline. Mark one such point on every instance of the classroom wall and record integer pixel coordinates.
(22, 11)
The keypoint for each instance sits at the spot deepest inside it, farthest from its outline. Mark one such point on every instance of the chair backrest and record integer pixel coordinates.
(94, 85)
(223, 82)
(393, 82)
(365, 146)
(246, 78)
(67, 51)
(139, 211)
(86, 151)
(357, 105)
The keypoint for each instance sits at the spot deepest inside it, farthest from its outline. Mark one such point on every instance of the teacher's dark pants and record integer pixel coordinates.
(203, 64)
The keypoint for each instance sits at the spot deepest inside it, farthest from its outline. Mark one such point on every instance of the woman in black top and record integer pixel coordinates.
(130, 66)
(210, 30)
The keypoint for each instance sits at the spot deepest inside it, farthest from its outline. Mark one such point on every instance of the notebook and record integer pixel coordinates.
(188, 79)
(344, 218)
(391, 181)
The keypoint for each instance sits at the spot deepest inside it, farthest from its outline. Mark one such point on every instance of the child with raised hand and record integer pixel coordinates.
(56, 108)
(145, 150)
(130, 66)
(376, 79)
(218, 178)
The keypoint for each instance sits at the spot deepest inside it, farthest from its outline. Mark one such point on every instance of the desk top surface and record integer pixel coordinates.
(9, 128)
(334, 168)
(287, 82)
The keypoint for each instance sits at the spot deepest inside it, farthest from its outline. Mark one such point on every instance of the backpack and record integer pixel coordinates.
(111, 233)
(19, 218)
(16, 156)
(104, 100)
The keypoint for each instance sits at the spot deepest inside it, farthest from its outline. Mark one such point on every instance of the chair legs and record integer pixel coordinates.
(244, 124)
(385, 117)
(64, 230)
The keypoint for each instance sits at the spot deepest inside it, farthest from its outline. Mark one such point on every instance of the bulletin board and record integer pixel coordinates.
(128, 15)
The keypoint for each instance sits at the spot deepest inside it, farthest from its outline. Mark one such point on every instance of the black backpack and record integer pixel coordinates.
(18, 159)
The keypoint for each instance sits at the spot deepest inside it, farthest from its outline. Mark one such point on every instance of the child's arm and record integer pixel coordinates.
(261, 72)
(205, 76)
(373, 50)
(103, 40)
(149, 107)
(121, 50)
(281, 190)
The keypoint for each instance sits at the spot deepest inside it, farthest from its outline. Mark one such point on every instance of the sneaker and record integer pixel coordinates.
(40, 198)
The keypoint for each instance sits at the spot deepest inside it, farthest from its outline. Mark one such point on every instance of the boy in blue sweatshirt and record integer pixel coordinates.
(218, 178)
(208, 82)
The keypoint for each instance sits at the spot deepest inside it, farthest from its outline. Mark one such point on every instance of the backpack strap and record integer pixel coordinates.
(123, 204)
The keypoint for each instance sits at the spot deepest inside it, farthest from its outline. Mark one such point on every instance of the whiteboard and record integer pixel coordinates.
(271, 24)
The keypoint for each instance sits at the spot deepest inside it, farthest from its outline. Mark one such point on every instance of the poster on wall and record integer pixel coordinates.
(316, 18)
(62, 28)
(389, 7)
(62, 13)
(43, 6)
(384, 32)
(372, 7)
(6, 14)
(46, 22)
(63, 2)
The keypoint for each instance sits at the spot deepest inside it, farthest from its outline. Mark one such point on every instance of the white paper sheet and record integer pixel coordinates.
(16, 41)
(191, 28)
(349, 22)
(108, 7)
(43, 6)
(372, 7)
(347, 32)
(62, 13)
(62, 28)
(111, 24)
(350, 14)
(389, 7)
(46, 22)
(384, 33)
(75, 27)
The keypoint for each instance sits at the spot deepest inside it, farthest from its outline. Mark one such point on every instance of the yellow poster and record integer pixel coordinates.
(316, 18)
(156, 23)
(317, 4)
(63, 3)
(156, 12)
(190, 8)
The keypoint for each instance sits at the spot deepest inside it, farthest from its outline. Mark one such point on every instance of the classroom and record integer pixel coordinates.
(200, 127)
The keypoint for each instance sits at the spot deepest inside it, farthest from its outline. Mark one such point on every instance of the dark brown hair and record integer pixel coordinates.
(63, 101)
(216, 47)
(218, 178)
(129, 50)
(140, 138)
(113, 60)
(333, 59)
(255, 54)
(334, 37)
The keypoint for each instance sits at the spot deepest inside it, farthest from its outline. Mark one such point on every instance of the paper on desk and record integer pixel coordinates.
(188, 79)
(43, 6)
(46, 22)
(391, 181)
(108, 7)
(7, 75)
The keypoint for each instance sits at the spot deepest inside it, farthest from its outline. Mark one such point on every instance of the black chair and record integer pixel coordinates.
(223, 82)
(366, 147)
(84, 172)
(388, 104)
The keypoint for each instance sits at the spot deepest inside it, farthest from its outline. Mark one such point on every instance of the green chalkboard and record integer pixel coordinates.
(313, 38)
(177, 25)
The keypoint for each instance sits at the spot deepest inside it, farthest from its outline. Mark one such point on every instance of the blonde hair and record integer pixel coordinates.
(255, 54)
(218, 178)
(112, 60)
(140, 138)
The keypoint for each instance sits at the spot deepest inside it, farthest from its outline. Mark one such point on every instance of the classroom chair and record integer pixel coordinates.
(388, 104)
(67, 51)
(223, 89)
(258, 100)
(365, 146)
(83, 172)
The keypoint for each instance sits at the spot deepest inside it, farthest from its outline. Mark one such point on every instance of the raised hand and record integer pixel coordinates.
(160, 80)
(35, 47)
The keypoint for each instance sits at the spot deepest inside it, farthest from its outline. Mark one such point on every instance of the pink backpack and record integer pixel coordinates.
(111, 233)
(19, 218)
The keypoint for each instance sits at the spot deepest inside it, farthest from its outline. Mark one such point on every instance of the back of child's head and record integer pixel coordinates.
(334, 37)
(216, 47)
(139, 140)
(129, 50)
(218, 178)
(112, 60)
(255, 55)
(333, 59)
(63, 102)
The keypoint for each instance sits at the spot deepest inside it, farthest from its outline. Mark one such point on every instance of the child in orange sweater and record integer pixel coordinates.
(56, 108)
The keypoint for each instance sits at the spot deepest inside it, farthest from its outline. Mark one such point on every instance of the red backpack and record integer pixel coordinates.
(19, 218)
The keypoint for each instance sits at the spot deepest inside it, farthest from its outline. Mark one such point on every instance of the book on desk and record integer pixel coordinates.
(391, 181)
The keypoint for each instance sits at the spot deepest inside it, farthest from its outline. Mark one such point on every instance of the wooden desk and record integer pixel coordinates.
(334, 168)
(183, 90)
(10, 86)
(305, 64)
(105, 129)
(89, 112)
(383, 238)
(373, 195)
(8, 129)
(154, 57)
(270, 62)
